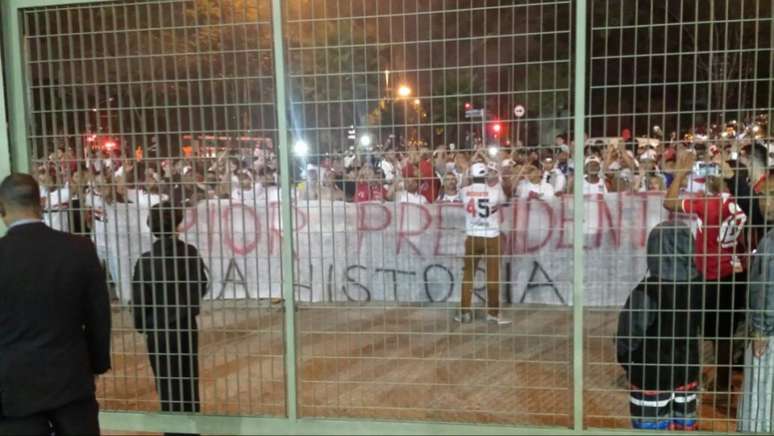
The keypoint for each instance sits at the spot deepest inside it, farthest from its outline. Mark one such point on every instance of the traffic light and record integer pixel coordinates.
(468, 106)
(497, 128)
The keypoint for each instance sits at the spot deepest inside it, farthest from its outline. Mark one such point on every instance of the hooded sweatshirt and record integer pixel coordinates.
(657, 343)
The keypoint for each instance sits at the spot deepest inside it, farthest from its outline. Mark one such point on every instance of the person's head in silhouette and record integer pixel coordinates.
(164, 219)
(19, 198)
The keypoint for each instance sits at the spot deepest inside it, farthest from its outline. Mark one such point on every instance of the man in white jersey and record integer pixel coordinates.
(482, 229)
(553, 176)
(592, 182)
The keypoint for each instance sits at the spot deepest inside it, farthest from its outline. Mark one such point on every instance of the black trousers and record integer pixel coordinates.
(724, 310)
(174, 358)
(76, 418)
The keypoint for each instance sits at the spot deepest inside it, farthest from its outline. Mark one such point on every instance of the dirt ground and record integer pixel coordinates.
(396, 363)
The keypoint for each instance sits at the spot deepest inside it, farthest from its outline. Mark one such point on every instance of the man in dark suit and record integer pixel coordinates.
(54, 321)
(168, 284)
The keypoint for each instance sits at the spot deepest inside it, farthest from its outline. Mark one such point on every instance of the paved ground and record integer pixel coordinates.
(406, 363)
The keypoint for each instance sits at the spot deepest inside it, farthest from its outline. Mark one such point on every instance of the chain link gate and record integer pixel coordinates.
(333, 285)
(111, 87)
(685, 75)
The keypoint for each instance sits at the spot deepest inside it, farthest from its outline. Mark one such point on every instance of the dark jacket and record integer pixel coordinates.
(657, 342)
(747, 200)
(761, 287)
(658, 329)
(168, 284)
(54, 320)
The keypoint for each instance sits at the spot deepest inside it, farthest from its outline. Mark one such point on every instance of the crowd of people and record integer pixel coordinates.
(702, 283)
(721, 180)
(81, 182)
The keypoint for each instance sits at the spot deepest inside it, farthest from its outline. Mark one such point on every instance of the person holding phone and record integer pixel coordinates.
(482, 203)
(720, 223)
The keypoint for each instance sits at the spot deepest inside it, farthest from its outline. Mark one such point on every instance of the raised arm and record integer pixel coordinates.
(683, 167)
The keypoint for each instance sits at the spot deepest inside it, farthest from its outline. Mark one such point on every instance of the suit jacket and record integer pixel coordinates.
(54, 319)
(167, 286)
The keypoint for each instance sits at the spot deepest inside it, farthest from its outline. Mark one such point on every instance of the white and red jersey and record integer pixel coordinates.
(482, 215)
(721, 221)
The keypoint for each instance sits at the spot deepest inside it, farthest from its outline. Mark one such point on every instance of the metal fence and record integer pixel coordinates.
(291, 135)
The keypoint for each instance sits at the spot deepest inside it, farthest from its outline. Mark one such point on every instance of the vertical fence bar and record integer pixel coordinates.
(5, 145)
(577, 295)
(5, 150)
(285, 207)
(16, 106)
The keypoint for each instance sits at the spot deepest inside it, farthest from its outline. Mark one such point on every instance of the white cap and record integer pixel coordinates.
(479, 170)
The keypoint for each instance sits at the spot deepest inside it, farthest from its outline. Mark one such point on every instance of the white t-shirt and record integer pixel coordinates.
(408, 197)
(446, 198)
(238, 195)
(55, 208)
(591, 205)
(594, 188)
(57, 198)
(144, 198)
(479, 199)
(389, 170)
(97, 204)
(556, 179)
(271, 194)
(249, 197)
(541, 190)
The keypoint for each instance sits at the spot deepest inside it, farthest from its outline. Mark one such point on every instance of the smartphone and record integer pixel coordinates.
(706, 169)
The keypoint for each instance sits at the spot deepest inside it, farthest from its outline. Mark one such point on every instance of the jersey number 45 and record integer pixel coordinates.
(479, 208)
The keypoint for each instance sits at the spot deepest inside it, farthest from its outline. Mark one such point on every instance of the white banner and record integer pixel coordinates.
(400, 252)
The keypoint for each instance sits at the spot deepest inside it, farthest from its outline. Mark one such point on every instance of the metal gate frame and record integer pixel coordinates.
(14, 156)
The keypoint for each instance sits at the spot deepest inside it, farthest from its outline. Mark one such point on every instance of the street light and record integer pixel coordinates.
(416, 102)
(365, 141)
(301, 148)
(404, 91)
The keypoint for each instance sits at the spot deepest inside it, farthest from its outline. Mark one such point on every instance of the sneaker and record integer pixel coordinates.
(684, 424)
(498, 320)
(463, 318)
